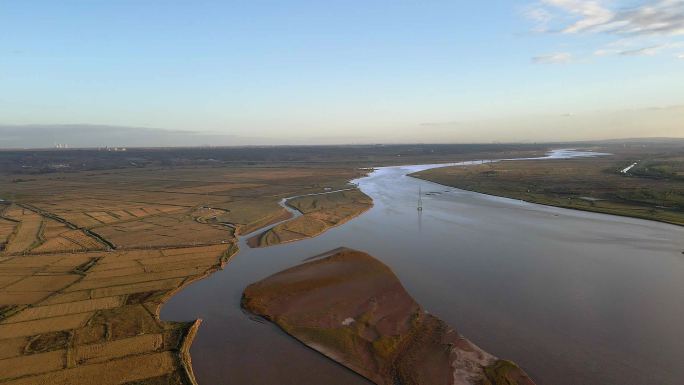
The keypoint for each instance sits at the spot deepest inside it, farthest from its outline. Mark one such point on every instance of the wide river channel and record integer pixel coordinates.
(575, 298)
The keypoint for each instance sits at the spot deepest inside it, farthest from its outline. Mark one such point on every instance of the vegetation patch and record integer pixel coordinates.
(590, 184)
(320, 213)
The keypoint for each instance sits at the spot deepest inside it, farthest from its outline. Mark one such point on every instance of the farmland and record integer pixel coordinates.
(89, 257)
(68, 317)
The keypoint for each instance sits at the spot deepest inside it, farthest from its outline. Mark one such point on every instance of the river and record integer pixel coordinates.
(573, 297)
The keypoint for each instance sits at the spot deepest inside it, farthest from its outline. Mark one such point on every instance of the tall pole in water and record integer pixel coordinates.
(420, 199)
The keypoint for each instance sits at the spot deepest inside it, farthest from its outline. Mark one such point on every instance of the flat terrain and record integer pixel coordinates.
(320, 213)
(91, 318)
(88, 258)
(92, 243)
(26, 163)
(652, 189)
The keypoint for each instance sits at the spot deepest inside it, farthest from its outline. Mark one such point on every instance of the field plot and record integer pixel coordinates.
(24, 230)
(96, 212)
(58, 237)
(6, 229)
(215, 188)
(27, 230)
(164, 231)
(84, 318)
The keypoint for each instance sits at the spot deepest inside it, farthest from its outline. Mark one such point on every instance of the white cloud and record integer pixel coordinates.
(646, 51)
(592, 14)
(649, 27)
(540, 16)
(661, 17)
(664, 17)
(553, 58)
(680, 56)
(636, 47)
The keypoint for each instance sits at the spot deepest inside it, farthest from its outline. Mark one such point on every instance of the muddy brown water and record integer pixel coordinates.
(573, 297)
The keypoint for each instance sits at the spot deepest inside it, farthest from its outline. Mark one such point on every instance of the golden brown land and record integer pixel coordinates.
(86, 318)
(320, 213)
(352, 308)
(92, 243)
(654, 189)
(88, 258)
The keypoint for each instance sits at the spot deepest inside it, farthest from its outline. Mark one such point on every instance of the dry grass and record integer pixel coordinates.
(153, 207)
(97, 321)
(6, 229)
(321, 212)
(26, 233)
(91, 256)
(583, 184)
(171, 230)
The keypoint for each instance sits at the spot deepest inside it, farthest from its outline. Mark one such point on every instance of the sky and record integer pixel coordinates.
(254, 72)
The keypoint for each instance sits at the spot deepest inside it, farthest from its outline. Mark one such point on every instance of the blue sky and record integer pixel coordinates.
(346, 71)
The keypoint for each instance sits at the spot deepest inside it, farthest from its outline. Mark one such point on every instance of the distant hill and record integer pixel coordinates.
(89, 136)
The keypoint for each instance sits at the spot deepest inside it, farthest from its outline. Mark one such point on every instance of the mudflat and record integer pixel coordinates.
(320, 213)
(352, 308)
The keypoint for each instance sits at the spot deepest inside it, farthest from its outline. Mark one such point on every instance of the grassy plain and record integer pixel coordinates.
(320, 213)
(24, 164)
(654, 189)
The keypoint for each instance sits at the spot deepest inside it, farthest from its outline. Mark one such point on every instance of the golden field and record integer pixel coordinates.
(88, 258)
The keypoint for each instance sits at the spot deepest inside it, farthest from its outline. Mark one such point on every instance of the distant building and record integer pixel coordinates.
(115, 149)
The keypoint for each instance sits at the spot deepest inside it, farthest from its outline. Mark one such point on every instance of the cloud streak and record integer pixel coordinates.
(553, 58)
(662, 17)
(590, 14)
(645, 29)
(636, 48)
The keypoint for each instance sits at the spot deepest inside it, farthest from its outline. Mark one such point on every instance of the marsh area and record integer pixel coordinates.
(571, 296)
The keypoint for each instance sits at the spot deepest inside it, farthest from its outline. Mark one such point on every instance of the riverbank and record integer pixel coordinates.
(319, 213)
(595, 185)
